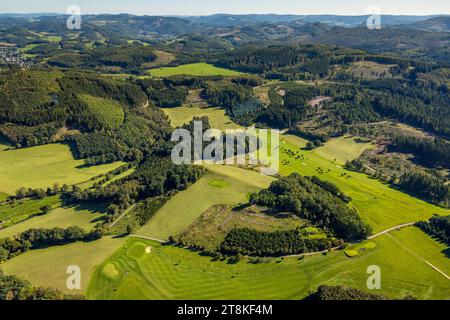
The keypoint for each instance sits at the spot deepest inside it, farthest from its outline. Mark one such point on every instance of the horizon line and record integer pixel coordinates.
(222, 13)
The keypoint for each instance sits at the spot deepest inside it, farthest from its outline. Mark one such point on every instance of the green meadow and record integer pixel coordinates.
(217, 117)
(42, 166)
(378, 204)
(343, 149)
(84, 216)
(223, 185)
(194, 69)
(169, 272)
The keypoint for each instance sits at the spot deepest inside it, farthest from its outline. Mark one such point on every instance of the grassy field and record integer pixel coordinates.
(3, 196)
(84, 216)
(12, 213)
(217, 117)
(194, 69)
(47, 267)
(42, 166)
(107, 112)
(175, 273)
(343, 149)
(377, 203)
(223, 185)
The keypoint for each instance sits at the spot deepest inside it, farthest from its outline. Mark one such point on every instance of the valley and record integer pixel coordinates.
(87, 176)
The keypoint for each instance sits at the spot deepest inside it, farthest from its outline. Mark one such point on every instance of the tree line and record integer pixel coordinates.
(41, 238)
(438, 227)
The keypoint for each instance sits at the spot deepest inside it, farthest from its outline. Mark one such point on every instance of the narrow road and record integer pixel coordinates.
(391, 229)
(147, 238)
(308, 254)
(122, 215)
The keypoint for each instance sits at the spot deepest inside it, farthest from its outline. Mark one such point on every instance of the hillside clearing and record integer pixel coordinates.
(109, 113)
(343, 149)
(194, 69)
(217, 117)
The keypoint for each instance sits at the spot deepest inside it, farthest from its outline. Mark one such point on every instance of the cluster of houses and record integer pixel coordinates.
(12, 56)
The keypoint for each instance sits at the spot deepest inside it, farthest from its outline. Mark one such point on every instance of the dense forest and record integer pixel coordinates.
(277, 243)
(434, 152)
(315, 201)
(426, 186)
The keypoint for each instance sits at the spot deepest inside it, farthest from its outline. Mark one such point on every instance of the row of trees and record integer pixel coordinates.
(438, 227)
(41, 238)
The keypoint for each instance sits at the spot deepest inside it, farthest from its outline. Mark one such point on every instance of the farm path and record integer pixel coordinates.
(122, 215)
(391, 229)
(148, 238)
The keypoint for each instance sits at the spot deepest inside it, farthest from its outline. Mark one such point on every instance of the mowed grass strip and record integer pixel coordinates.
(17, 211)
(377, 203)
(169, 272)
(223, 185)
(109, 113)
(85, 216)
(42, 166)
(217, 117)
(194, 69)
(47, 267)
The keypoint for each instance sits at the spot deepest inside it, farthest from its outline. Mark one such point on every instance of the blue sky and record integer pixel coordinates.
(205, 7)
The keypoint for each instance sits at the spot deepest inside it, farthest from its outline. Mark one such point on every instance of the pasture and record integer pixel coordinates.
(42, 166)
(169, 272)
(223, 185)
(217, 117)
(194, 69)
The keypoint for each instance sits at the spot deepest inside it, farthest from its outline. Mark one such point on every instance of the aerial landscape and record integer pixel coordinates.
(339, 188)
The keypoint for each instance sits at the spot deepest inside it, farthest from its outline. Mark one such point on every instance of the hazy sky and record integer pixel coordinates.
(204, 7)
